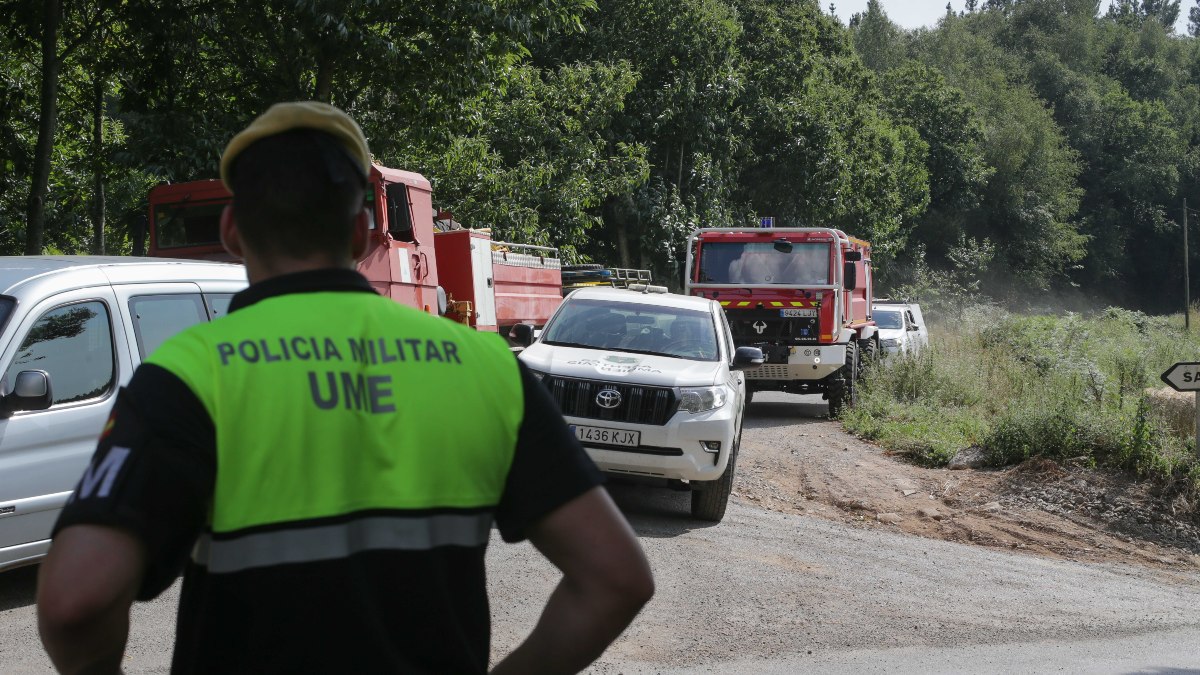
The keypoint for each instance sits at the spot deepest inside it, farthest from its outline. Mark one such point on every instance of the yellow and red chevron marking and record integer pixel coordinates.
(771, 303)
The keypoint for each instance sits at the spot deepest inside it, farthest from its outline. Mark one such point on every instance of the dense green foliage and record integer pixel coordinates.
(1068, 388)
(1019, 148)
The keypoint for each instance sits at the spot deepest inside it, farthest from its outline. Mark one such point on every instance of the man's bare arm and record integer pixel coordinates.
(606, 581)
(86, 586)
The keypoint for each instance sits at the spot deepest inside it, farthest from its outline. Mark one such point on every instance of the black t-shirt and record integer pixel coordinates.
(154, 472)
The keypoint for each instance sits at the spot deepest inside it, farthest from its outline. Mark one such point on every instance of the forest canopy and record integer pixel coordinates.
(1020, 150)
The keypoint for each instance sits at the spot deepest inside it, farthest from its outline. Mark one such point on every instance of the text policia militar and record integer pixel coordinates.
(350, 390)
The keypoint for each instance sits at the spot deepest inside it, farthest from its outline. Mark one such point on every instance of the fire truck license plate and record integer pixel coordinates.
(608, 436)
(797, 312)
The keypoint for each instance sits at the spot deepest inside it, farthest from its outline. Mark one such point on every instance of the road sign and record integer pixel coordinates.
(1183, 376)
(766, 221)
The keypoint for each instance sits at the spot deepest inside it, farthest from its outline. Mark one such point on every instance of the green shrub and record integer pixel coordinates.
(1057, 386)
(1063, 430)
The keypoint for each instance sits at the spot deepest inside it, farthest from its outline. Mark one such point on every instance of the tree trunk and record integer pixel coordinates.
(138, 234)
(324, 79)
(35, 213)
(622, 242)
(98, 166)
(679, 180)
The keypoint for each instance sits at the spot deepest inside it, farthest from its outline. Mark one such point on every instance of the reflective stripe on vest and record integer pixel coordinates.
(328, 542)
(333, 404)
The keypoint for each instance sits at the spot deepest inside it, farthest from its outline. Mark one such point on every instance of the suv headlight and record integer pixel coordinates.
(537, 374)
(889, 342)
(699, 399)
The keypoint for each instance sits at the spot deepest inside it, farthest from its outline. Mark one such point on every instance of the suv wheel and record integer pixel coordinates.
(710, 498)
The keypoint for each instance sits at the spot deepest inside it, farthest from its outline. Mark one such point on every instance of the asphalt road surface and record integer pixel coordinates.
(769, 592)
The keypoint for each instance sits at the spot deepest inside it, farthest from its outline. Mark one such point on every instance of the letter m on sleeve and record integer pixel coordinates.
(99, 477)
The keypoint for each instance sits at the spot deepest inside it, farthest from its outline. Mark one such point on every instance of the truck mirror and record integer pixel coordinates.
(850, 277)
(399, 214)
(783, 245)
(442, 302)
(521, 334)
(853, 256)
(30, 392)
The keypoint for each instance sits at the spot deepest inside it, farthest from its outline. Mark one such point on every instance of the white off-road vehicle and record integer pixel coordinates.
(651, 384)
(901, 327)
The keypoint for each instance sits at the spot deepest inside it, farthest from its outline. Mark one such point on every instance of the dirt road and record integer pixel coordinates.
(798, 461)
(800, 576)
(773, 589)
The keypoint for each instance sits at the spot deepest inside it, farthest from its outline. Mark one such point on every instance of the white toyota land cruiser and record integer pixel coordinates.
(651, 384)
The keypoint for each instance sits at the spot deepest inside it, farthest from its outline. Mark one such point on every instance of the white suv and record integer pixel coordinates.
(72, 329)
(651, 384)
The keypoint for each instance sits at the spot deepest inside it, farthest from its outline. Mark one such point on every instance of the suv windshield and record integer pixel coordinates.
(633, 327)
(888, 318)
(764, 263)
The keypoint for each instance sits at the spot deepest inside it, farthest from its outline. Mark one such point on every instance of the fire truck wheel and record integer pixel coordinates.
(710, 498)
(843, 391)
(869, 351)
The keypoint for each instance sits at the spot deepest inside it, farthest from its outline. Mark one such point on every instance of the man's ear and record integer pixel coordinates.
(230, 237)
(360, 240)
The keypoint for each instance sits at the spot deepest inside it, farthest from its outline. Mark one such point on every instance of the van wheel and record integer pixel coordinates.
(710, 498)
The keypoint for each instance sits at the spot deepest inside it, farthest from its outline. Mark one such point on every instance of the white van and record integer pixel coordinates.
(72, 329)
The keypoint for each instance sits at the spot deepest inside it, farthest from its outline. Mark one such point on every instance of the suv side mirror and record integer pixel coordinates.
(30, 392)
(521, 334)
(747, 358)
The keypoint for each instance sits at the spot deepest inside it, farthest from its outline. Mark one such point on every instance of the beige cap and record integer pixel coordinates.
(283, 117)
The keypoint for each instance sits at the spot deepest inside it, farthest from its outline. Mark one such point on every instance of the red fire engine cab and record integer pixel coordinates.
(462, 273)
(802, 295)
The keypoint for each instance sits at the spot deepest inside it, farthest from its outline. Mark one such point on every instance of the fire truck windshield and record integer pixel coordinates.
(184, 224)
(181, 224)
(763, 263)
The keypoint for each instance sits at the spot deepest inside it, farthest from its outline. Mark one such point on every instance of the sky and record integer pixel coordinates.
(917, 13)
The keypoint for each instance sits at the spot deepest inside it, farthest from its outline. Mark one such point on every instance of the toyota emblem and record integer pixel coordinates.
(608, 398)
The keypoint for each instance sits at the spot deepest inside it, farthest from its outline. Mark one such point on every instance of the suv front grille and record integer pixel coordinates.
(639, 404)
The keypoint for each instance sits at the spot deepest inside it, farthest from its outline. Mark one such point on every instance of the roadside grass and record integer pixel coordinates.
(1066, 387)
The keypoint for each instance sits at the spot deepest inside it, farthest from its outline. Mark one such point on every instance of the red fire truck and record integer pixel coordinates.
(801, 295)
(462, 273)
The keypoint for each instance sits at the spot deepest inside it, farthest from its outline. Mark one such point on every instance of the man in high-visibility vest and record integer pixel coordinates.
(326, 487)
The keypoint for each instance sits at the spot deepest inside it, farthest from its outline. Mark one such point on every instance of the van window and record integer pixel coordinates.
(158, 317)
(6, 308)
(218, 304)
(74, 344)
